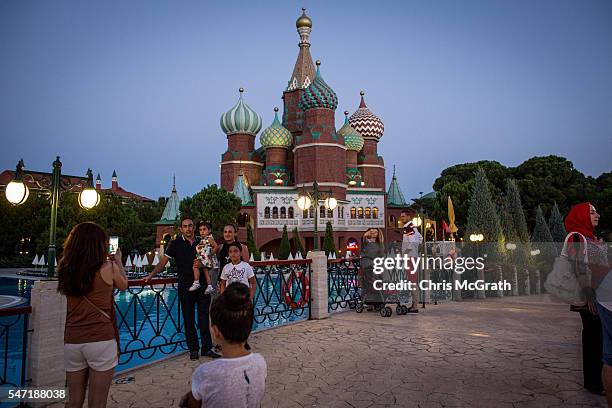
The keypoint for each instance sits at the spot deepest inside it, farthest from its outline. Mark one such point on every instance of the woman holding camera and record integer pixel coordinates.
(88, 276)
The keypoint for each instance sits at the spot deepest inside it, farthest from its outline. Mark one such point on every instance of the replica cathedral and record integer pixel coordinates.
(303, 147)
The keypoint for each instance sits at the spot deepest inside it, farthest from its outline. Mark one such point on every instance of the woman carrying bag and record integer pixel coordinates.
(588, 257)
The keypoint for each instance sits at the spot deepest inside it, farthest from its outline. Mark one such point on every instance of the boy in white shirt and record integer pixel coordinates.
(238, 379)
(238, 271)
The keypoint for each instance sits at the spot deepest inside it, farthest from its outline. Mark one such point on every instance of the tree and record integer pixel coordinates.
(483, 218)
(285, 248)
(328, 243)
(556, 226)
(542, 238)
(297, 243)
(212, 204)
(251, 244)
(522, 253)
(458, 182)
(540, 180)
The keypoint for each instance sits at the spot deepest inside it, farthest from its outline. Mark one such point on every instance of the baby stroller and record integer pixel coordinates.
(380, 301)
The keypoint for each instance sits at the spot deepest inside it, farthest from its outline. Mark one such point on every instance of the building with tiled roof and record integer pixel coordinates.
(302, 148)
(115, 189)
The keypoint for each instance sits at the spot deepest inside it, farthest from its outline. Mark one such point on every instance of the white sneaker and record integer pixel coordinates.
(195, 286)
(209, 290)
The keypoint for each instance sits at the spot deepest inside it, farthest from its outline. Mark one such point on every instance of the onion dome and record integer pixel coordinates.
(240, 119)
(352, 139)
(367, 123)
(318, 94)
(276, 135)
(303, 20)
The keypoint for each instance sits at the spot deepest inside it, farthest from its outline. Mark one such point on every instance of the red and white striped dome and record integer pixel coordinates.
(365, 122)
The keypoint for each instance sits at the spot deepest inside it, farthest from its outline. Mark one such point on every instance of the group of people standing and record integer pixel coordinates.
(373, 246)
(88, 276)
(198, 260)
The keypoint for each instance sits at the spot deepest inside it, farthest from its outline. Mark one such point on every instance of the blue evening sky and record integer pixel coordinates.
(139, 86)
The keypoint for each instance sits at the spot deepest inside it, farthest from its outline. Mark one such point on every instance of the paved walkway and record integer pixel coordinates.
(512, 352)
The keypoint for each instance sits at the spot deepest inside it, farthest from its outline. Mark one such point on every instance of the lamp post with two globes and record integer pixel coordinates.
(311, 199)
(17, 192)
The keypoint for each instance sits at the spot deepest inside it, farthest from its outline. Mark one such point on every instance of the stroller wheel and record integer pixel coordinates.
(398, 310)
(389, 311)
(359, 307)
(404, 309)
(383, 312)
(352, 304)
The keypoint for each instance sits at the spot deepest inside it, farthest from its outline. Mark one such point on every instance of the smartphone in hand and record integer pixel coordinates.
(113, 244)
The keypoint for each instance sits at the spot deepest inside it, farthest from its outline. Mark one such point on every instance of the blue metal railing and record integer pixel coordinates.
(149, 316)
(343, 283)
(14, 345)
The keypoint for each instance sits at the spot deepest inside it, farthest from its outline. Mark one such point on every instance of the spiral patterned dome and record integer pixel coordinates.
(352, 139)
(318, 94)
(367, 123)
(276, 135)
(241, 119)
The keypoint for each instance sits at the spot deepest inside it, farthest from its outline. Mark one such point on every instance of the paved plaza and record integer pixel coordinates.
(512, 352)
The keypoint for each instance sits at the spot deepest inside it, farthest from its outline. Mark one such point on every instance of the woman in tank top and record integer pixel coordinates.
(87, 276)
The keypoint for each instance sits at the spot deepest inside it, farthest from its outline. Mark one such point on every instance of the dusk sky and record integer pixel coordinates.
(139, 86)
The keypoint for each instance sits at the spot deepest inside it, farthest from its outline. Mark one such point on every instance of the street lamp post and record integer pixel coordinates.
(311, 199)
(17, 193)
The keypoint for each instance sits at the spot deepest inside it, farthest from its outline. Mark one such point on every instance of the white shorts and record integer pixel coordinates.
(98, 355)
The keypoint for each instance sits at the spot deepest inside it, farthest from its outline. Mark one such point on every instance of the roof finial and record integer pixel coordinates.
(276, 109)
(394, 171)
(362, 104)
(318, 62)
(174, 182)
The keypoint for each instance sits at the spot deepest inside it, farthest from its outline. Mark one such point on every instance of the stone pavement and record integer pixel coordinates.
(511, 352)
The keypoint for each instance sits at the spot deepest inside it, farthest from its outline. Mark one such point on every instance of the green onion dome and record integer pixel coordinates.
(318, 94)
(276, 135)
(352, 138)
(240, 119)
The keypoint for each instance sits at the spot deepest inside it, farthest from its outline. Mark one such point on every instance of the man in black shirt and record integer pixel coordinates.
(183, 250)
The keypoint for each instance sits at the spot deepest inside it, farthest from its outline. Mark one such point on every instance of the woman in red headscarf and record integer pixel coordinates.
(589, 257)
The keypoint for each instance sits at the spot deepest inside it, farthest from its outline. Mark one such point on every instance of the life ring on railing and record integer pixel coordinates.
(288, 295)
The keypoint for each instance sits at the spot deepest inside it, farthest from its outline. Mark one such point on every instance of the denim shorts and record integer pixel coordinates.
(606, 325)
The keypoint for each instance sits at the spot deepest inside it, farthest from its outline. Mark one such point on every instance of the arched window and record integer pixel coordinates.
(368, 213)
(305, 214)
(311, 212)
(283, 212)
(375, 212)
(330, 213)
(322, 211)
(275, 212)
(353, 212)
(267, 212)
(290, 212)
(340, 212)
(360, 212)
(391, 221)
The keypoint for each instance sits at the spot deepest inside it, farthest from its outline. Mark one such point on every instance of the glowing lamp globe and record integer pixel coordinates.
(416, 221)
(331, 203)
(304, 203)
(89, 198)
(17, 192)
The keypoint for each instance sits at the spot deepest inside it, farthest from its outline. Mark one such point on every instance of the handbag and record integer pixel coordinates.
(562, 282)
